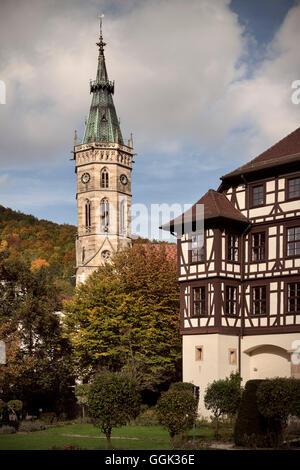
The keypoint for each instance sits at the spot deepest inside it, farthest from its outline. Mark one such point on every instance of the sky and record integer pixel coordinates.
(203, 85)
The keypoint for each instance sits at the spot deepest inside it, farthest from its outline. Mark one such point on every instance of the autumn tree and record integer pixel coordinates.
(126, 317)
(38, 369)
(177, 411)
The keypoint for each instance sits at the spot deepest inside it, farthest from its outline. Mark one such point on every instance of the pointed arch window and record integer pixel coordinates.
(104, 178)
(104, 215)
(87, 215)
(122, 217)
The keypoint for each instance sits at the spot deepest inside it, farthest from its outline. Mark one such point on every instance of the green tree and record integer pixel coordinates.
(38, 369)
(126, 317)
(177, 411)
(15, 407)
(113, 401)
(223, 397)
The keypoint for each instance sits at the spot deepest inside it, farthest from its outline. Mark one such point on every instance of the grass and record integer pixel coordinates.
(86, 436)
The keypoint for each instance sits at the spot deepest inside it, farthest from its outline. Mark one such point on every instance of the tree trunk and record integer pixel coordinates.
(108, 434)
(217, 428)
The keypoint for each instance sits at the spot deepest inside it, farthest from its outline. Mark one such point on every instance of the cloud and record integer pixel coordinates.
(186, 86)
(168, 62)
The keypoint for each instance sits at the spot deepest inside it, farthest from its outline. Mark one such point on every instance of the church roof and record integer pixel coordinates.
(102, 124)
(216, 205)
(287, 150)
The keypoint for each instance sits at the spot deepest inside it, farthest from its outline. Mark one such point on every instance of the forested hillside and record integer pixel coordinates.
(40, 242)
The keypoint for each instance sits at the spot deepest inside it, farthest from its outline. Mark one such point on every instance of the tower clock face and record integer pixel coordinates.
(123, 179)
(85, 178)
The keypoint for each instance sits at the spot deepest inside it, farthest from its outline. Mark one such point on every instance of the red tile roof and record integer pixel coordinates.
(284, 151)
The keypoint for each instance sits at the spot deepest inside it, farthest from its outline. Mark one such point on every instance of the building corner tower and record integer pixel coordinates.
(103, 165)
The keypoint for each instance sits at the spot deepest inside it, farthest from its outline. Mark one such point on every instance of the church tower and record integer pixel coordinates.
(103, 165)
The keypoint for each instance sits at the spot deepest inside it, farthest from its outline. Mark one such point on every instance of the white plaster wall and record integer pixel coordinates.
(260, 352)
(260, 358)
(215, 364)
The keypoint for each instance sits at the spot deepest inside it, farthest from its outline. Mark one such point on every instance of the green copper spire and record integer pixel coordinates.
(102, 124)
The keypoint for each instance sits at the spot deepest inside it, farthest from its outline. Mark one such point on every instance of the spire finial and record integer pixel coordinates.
(75, 138)
(101, 43)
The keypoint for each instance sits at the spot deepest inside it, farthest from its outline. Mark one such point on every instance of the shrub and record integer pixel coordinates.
(177, 411)
(277, 399)
(49, 417)
(252, 428)
(223, 397)
(147, 418)
(7, 429)
(114, 400)
(31, 426)
(182, 386)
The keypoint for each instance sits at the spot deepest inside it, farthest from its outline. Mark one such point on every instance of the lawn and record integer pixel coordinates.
(86, 436)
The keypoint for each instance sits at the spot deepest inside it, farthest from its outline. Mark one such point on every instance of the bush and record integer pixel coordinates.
(7, 429)
(147, 418)
(177, 411)
(31, 426)
(252, 429)
(114, 400)
(179, 386)
(223, 397)
(49, 417)
(277, 399)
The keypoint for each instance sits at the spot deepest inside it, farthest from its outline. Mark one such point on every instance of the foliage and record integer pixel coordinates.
(223, 397)
(182, 386)
(2, 406)
(126, 317)
(81, 393)
(31, 426)
(6, 429)
(278, 398)
(49, 417)
(147, 417)
(38, 369)
(177, 411)
(251, 427)
(15, 406)
(114, 399)
(40, 243)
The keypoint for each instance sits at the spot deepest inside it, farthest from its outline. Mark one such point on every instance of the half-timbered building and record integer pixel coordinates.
(240, 276)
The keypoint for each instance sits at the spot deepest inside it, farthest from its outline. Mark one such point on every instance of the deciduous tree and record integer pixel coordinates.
(126, 317)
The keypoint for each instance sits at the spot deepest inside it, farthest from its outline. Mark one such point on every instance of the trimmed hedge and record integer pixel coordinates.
(251, 427)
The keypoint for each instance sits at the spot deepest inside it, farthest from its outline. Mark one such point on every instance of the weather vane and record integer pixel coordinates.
(100, 18)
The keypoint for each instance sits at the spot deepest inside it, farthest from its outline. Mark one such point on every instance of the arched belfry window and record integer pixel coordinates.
(104, 215)
(88, 215)
(104, 178)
